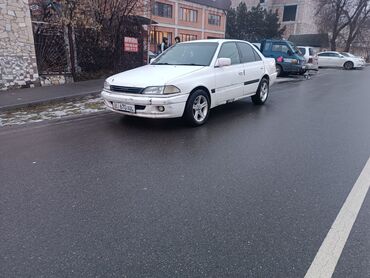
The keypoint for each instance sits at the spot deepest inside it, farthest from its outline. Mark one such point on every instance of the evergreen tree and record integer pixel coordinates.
(273, 30)
(231, 26)
(253, 25)
(241, 22)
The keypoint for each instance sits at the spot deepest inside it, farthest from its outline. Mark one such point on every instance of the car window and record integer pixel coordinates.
(302, 50)
(257, 56)
(280, 48)
(324, 54)
(229, 50)
(267, 46)
(200, 53)
(312, 51)
(246, 53)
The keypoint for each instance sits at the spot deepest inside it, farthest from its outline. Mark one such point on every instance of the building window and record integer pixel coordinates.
(156, 38)
(188, 15)
(214, 19)
(187, 37)
(162, 10)
(290, 13)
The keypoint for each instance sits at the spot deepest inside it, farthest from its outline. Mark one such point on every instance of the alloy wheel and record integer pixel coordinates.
(200, 108)
(264, 91)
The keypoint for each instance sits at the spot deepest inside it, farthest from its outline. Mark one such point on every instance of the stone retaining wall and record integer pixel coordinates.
(18, 67)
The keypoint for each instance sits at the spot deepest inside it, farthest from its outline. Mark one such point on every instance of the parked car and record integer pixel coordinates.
(361, 59)
(287, 56)
(310, 54)
(191, 78)
(336, 59)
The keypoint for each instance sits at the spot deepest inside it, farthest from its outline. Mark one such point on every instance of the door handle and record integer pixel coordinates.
(241, 73)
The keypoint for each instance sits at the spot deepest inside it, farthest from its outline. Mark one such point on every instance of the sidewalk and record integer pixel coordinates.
(18, 98)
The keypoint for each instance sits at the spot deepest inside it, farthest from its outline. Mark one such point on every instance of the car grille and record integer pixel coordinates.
(129, 90)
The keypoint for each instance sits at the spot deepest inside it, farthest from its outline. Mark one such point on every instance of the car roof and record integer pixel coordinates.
(215, 40)
(329, 52)
(275, 40)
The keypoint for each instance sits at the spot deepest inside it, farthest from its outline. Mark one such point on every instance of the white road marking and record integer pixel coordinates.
(327, 257)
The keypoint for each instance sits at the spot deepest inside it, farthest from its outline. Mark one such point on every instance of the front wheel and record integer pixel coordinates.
(262, 92)
(197, 108)
(348, 65)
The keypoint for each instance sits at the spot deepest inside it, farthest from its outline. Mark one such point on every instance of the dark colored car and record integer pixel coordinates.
(288, 58)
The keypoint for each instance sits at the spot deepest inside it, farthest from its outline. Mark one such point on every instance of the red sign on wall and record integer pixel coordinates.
(131, 44)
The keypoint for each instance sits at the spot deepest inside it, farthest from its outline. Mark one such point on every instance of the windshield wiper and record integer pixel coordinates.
(161, 64)
(191, 64)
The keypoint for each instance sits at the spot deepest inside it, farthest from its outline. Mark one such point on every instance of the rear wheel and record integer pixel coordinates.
(279, 70)
(348, 65)
(262, 92)
(197, 108)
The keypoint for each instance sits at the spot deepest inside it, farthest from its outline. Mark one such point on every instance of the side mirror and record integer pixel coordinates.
(223, 62)
(290, 53)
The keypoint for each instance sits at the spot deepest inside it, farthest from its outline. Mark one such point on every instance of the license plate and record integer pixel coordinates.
(124, 107)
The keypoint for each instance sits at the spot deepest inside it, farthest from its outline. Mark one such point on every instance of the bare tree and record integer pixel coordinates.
(361, 13)
(331, 16)
(112, 17)
(342, 18)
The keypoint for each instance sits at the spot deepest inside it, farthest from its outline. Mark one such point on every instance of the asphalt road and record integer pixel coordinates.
(252, 193)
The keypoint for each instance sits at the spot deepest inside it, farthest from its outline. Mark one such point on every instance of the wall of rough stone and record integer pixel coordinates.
(18, 67)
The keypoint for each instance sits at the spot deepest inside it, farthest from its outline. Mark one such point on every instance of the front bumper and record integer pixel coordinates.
(359, 64)
(147, 106)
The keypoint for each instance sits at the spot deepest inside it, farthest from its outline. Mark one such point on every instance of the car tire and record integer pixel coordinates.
(263, 91)
(279, 70)
(197, 108)
(348, 65)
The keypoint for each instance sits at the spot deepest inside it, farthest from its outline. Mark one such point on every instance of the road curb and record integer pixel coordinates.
(48, 101)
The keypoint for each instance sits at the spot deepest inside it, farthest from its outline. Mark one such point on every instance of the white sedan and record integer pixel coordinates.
(336, 59)
(190, 78)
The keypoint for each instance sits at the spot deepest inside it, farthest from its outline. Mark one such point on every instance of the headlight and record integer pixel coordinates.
(106, 85)
(161, 90)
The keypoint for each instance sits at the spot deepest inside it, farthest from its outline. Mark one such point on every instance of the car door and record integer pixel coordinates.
(254, 68)
(338, 60)
(324, 60)
(229, 80)
(333, 59)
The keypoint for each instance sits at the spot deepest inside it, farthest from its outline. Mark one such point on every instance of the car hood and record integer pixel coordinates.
(151, 75)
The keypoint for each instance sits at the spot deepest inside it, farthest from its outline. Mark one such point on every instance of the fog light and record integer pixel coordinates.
(160, 108)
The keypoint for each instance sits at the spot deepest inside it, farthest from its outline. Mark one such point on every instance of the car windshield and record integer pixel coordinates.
(295, 49)
(188, 54)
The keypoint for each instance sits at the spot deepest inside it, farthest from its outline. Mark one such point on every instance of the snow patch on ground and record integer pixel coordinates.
(52, 111)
